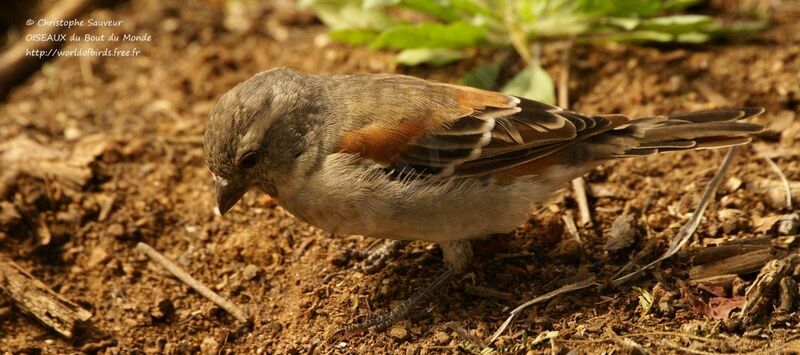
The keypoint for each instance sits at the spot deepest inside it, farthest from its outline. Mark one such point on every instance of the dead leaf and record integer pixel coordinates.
(645, 299)
(721, 307)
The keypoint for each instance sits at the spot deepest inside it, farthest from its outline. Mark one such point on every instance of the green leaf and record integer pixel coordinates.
(373, 4)
(736, 28)
(678, 4)
(637, 36)
(626, 23)
(640, 8)
(692, 37)
(438, 9)
(482, 77)
(432, 56)
(532, 83)
(620, 8)
(341, 14)
(675, 24)
(354, 36)
(471, 7)
(430, 35)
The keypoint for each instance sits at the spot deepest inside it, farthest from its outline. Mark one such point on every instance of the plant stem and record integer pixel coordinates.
(518, 38)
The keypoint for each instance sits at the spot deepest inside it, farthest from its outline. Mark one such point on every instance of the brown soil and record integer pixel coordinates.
(152, 109)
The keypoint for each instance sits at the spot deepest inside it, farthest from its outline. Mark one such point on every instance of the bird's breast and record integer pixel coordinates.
(345, 197)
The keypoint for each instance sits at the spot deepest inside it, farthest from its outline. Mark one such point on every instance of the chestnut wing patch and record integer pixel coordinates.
(491, 132)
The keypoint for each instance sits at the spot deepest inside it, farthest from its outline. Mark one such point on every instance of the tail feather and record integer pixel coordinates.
(692, 130)
(699, 130)
(721, 115)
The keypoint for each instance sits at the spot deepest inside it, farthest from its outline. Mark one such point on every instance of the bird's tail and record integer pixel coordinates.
(683, 131)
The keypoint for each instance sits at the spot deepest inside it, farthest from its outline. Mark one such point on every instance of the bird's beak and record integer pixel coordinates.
(228, 193)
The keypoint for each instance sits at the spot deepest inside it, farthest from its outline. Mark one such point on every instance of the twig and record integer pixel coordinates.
(564, 289)
(32, 297)
(579, 188)
(487, 292)
(563, 77)
(154, 255)
(572, 229)
(518, 38)
(578, 184)
(710, 94)
(786, 186)
(690, 227)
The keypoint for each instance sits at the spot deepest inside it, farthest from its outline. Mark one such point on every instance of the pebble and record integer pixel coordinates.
(732, 184)
(97, 256)
(8, 213)
(398, 332)
(441, 338)
(250, 272)
(209, 346)
(729, 215)
(789, 224)
(72, 134)
(623, 233)
(116, 230)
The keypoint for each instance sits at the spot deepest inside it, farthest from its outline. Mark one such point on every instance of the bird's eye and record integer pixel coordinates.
(248, 161)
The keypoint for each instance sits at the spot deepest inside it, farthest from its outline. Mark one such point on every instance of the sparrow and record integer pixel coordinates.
(398, 157)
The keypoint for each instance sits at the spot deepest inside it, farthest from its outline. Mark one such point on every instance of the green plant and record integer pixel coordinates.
(438, 32)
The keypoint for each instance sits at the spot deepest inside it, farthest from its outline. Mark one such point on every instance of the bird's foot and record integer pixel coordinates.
(375, 260)
(378, 323)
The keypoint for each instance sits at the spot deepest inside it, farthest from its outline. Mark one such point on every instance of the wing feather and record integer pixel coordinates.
(488, 131)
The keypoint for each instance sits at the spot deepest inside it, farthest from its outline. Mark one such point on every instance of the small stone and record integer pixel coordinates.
(775, 198)
(209, 346)
(623, 233)
(412, 349)
(163, 310)
(739, 287)
(340, 259)
(8, 213)
(250, 272)
(134, 148)
(441, 338)
(116, 230)
(203, 235)
(398, 332)
(71, 216)
(97, 256)
(789, 224)
(732, 184)
(72, 134)
(729, 215)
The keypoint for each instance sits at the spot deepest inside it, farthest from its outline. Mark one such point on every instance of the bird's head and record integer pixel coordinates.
(262, 134)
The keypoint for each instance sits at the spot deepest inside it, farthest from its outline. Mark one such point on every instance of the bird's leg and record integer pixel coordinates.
(376, 259)
(384, 321)
(457, 256)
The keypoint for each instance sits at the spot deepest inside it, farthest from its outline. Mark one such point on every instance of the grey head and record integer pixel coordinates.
(262, 134)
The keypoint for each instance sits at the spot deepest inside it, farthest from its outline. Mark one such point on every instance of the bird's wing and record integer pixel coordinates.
(460, 131)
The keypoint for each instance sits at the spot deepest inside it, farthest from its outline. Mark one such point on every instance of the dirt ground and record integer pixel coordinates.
(147, 181)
